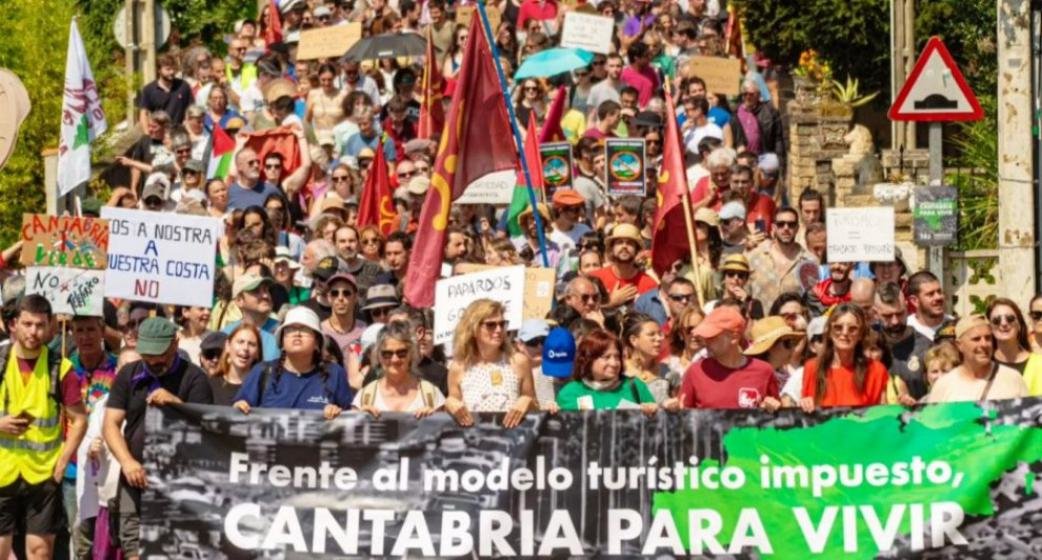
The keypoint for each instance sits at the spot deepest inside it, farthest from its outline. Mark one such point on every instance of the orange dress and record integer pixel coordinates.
(840, 387)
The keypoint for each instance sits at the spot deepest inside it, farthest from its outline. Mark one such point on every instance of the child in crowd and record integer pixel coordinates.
(938, 360)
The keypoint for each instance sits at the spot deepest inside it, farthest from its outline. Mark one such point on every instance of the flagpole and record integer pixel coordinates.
(685, 199)
(487, 27)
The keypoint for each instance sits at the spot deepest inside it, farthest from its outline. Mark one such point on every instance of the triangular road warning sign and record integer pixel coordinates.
(936, 90)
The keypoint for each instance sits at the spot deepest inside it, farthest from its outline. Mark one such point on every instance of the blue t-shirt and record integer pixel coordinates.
(241, 198)
(269, 344)
(356, 143)
(303, 392)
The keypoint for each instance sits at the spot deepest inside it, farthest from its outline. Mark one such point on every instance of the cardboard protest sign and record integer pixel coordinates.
(465, 13)
(68, 241)
(71, 291)
(158, 257)
(494, 188)
(328, 42)
(557, 164)
(587, 31)
(722, 75)
(539, 289)
(863, 234)
(936, 216)
(452, 296)
(624, 160)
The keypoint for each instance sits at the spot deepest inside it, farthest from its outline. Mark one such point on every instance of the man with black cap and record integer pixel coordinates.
(342, 324)
(162, 377)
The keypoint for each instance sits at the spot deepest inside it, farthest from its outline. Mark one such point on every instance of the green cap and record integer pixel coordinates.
(154, 336)
(91, 206)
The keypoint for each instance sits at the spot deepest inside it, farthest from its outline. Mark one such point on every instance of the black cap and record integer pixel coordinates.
(648, 118)
(213, 341)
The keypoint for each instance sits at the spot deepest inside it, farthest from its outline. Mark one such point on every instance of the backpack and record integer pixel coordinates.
(426, 390)
(54, 362)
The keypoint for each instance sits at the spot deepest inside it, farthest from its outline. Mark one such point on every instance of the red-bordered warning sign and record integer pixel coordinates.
(936, 90)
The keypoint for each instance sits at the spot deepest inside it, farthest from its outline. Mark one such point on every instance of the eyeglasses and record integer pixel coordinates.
(379, 311)
(300, 330)
(845, 329)
(535, 342)
(598, 62)
(1000, 319)
(735, 274)
(341, 178)
(494, 326)
(531, 88)
(182, 150)
(401, 354)
(781, 224)
(189, 172)
(341, 293)
(681, 297)
(1035, 315)
(406, 174)
(370, 241)
(589, 298)
(210, 355)
(273, 166)
(253, 163)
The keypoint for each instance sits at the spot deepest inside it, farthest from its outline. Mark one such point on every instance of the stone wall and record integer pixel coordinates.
(816, 132)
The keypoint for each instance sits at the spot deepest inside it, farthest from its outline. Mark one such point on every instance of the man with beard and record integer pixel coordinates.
(364, 271)
(907, 346)
(342, 326)
(927, 295)
(831, 291)
(759, 208)
(778, 261)
(248, 189)
(623, 279)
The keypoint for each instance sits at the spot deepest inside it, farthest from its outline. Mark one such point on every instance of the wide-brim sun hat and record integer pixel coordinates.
(767, 332)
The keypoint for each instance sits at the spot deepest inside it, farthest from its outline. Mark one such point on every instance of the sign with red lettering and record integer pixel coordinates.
(159, 257)
(64, 241)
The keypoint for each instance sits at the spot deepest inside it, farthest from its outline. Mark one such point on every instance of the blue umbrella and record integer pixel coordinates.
(553, 62)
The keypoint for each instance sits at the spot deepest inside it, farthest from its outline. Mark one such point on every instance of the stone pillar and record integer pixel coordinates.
(816, 132)
(1016, 193)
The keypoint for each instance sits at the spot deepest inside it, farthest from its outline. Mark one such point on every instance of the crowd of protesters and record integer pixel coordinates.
(308, 310)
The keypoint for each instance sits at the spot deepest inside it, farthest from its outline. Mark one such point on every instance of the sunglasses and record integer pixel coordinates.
(781, 224)
(340, 178)
(1000, 319)
(406, 174)
(341, 293)
(370, 241)
(494, 325)
(273, 166)
(847, 329)
(401, 354)
(183, 150)
(1035, 315)
(589, 298)
(253, 163)
(536, 342)
(681, 297)
(735, 274)
(379, 311)
(211, 356)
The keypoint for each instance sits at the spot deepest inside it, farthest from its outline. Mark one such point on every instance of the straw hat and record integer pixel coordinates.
(766, 332)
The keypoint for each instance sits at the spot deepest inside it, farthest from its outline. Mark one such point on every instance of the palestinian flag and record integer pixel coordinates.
(222, 148)
(520, 200)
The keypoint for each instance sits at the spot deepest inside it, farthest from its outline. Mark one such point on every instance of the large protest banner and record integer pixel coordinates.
(940, 481)
(452, 296)
(159, 257)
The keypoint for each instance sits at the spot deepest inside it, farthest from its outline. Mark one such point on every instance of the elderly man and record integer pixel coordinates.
(979, 377)
(248, 189)
(710, 191)
(757, 126)
(582, 295)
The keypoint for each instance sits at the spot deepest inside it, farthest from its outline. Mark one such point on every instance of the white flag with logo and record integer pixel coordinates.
(83, 119)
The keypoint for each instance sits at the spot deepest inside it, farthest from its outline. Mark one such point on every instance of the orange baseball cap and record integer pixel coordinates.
(568, 197)
(721, 319)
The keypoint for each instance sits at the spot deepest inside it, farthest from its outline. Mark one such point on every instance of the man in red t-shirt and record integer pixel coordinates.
(623, 279)
(728, 378)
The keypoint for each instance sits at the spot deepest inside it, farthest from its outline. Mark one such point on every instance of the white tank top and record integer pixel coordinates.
(490, 387)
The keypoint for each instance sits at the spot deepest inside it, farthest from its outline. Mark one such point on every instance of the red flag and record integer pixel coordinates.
(282, 140)
(377, 204)
(669, 241)
(273, 32)
(552, 126)
(734, 44)
(432, 112)
(477, 141)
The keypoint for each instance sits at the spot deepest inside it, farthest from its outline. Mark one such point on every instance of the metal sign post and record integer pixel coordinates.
(935, 254)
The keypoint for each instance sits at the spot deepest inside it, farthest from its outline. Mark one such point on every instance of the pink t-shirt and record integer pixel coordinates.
(645, 81)
(710, 384)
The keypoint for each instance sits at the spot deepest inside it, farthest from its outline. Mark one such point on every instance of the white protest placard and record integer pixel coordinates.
(71, 291)
(588, 32)
(494, 188)
(159, 257)
(452, 296)
(860, 234)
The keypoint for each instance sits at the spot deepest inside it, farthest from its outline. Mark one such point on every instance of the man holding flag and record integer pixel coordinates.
(83, 119)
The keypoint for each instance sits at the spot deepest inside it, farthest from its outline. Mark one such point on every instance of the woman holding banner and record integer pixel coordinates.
(486, 374)
(241, 353)
(597, 380)
(843, 375)
(299, 379)
(399, 388)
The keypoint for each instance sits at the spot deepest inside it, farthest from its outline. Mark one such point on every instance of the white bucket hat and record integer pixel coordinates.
(301, 315)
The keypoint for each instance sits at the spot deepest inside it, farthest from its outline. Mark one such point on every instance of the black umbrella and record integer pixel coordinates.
(387, 45)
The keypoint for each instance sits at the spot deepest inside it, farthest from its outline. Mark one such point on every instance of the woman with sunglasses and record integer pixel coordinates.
(598, 382)
(1012, 347)
(774, 341)
(1035, 312)
(486, 374)
(241, 352)
(530, 102)
(843, 375)
(371, 242)
(684, 347)
(734, 285)
(399, 387)
(300, 379)
(454, 57)
(217, 110)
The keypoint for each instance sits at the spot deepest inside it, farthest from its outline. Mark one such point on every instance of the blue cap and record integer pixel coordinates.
(559, 353)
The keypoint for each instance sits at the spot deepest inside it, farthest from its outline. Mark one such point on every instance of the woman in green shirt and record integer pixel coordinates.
(597, 380)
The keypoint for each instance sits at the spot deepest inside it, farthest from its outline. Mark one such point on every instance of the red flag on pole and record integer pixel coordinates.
(273, 32)
(477, 141)
(377, 204)
(669, 239)
(552, 131)
(432, 112)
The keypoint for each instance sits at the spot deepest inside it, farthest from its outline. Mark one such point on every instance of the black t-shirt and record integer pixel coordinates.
(223, 392)
(908, 356)
(144, 150)
(187, 381)
(175, 101)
